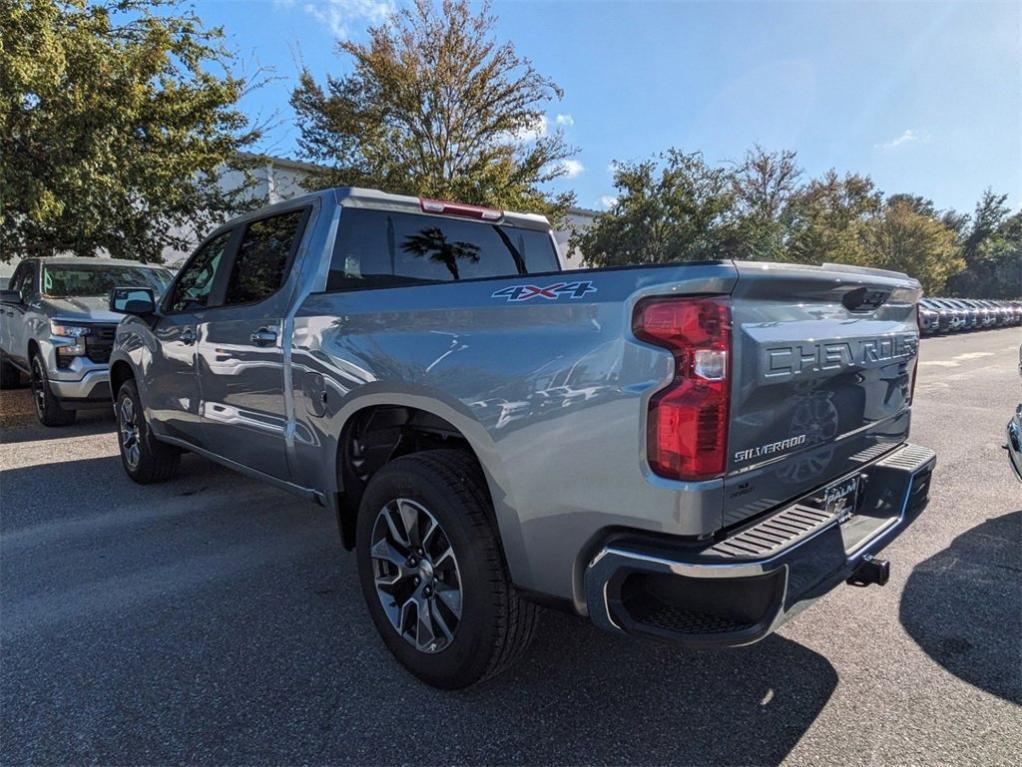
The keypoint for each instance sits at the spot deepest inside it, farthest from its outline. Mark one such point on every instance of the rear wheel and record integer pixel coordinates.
(432, 572)
(145, 459)
(47, 406)
(10, 376)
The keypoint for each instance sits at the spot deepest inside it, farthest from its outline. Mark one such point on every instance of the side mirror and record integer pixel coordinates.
(10, 297)
(140, 302)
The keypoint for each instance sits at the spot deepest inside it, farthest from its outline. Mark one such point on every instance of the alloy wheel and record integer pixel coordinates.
(128, 425)
(416, 575)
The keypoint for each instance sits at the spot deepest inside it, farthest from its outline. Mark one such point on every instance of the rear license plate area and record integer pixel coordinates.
(839, 498)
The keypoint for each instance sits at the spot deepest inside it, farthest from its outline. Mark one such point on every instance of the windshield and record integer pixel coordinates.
(80, 280)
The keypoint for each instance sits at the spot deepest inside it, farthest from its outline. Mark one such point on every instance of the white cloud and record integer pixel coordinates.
(536, 131)
(343, 17)
(607, 201)
(905, 138)
(573, 168)
(565, 120)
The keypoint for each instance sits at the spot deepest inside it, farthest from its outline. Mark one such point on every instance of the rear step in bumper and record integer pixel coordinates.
(738, 590)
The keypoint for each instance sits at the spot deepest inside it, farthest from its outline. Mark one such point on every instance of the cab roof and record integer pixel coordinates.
(359, 197)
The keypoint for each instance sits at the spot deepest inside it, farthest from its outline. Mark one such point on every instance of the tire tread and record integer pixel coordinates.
(10, 376)
(55, 414)
(159, 462)
(514, 632)
(455, 475)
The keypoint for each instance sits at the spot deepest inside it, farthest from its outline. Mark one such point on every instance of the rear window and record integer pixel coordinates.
(378, 248)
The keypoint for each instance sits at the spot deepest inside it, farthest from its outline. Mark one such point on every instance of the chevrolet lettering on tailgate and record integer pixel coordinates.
(827, 356)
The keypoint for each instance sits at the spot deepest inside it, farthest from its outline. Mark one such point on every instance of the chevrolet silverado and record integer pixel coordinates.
(692, 452)
(56, 329)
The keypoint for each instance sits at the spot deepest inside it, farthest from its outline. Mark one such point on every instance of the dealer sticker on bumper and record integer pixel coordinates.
(839, 498)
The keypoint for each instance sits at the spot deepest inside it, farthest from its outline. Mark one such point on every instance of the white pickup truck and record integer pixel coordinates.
(56, 329)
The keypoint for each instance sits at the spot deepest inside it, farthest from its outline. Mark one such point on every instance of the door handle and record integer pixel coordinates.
(264, 337)
(188, 336)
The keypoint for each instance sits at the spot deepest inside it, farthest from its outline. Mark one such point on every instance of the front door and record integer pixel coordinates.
(15, 339)
(241, 355)
(170, 381)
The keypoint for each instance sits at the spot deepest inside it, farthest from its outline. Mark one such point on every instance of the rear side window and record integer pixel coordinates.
(23, 280)
(378, 248)
(195, 282)
(263, 256)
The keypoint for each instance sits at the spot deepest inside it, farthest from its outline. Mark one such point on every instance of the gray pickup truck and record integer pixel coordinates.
(691, 452)
(56, 328)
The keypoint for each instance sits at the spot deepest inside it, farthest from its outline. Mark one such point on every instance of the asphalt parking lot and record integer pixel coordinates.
(213, 620)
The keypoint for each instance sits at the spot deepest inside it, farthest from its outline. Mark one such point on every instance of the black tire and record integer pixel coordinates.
(145, 459)
(47, 407)
(495, 625)
(10, 376)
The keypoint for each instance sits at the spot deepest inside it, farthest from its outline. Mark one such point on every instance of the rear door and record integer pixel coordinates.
(240, 350)
(824, 360)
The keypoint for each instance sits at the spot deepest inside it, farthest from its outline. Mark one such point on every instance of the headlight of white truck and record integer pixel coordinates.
(59, 328)
(69, 340)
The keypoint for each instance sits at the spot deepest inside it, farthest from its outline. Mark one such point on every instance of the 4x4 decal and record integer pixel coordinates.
(572, 290)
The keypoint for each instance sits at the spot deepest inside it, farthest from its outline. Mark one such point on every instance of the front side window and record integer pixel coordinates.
(195, 282)
(381, 248)
(263, 255)
(82, 280)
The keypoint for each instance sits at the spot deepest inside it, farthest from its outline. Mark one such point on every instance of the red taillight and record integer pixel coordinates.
(460, 209)
(686, 430)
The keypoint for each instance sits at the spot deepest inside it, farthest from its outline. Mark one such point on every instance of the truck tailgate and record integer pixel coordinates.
(823, 364)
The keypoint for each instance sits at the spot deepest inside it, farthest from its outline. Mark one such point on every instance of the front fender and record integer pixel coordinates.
(133, 347)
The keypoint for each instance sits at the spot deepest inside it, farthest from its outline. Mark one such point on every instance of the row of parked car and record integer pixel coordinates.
(951, 315)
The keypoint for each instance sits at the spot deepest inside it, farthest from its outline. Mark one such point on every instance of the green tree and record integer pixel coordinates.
(911, 238)
(434, 106)
(673, 208)
(764, 185)
(992, 248)
(114, 117)
(831, 219)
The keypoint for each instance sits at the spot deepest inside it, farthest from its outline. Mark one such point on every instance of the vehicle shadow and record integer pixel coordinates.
(963, 606)
(18, 422)
(616, 700)
(213, 620)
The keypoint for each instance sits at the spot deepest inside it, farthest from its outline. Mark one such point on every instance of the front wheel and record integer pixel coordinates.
(47, 407)
(145, 459)
(432, 572)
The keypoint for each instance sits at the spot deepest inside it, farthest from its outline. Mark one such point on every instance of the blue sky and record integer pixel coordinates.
(924, 97)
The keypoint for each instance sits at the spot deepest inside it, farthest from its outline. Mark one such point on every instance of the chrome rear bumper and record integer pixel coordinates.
(737, 590)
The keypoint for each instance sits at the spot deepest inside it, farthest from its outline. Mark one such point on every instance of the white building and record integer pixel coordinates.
(277, 178)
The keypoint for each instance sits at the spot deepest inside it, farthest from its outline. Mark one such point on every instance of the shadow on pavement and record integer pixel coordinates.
(18, 422)
(963, 606)
(593, 698)
(212, 620)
